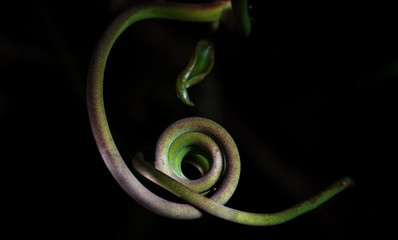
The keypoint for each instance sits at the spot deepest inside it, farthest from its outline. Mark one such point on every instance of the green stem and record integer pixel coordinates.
(173, 180)
(223, 145)
(95, 99)
(248, 218)
(241, 13)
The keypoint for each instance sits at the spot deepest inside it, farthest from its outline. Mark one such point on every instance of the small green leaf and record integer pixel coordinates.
(199, 66)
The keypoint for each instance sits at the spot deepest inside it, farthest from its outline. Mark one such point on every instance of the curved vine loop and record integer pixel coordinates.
(206, 146)
(198, 141)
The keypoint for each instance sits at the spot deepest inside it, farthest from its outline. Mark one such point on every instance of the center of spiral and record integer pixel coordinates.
(194, 165)
(194, 152)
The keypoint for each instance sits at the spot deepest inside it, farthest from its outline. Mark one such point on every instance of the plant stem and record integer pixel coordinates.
(95, 99)
(211, 12)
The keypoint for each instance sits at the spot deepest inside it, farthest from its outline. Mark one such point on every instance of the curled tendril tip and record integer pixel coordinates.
(197, 141)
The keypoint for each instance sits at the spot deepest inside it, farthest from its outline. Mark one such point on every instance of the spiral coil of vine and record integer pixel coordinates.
(198, 141)
(205, 145)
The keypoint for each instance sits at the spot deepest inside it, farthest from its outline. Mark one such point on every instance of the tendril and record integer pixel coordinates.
(197, 141)
(215, 151)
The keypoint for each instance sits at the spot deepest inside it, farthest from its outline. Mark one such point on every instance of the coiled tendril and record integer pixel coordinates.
(197, 141)
(208, 147)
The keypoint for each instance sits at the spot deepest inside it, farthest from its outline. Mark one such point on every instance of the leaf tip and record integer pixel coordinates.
(182, 94)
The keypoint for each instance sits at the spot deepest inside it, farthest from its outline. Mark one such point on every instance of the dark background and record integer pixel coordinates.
(309, 97)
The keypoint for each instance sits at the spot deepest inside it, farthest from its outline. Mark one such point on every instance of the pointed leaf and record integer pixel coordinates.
(199, 66)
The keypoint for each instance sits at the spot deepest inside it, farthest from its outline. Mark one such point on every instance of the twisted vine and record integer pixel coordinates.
(197, 141)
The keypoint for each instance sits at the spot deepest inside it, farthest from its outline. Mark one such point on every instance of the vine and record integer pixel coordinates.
(198, 141)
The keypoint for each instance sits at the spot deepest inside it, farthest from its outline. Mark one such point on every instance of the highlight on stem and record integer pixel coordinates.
(199, 142)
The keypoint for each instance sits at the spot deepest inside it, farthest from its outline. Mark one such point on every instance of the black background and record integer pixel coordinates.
(309, 97)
